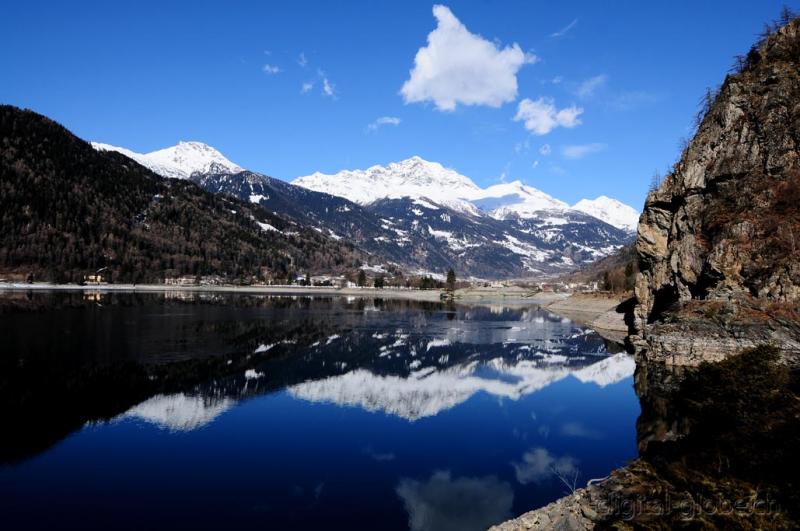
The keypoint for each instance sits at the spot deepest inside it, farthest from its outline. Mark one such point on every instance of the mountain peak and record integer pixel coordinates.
(611, 211)
(515, 199)
(413, 177)
(416, 177)
(179, 161)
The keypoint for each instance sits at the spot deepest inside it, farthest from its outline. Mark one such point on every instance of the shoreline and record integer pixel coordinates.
(597, 311)
(386, 293)
(505, 296)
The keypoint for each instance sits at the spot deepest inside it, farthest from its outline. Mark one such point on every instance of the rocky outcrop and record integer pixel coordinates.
(719, 256)
(724, 226)
(571, 513)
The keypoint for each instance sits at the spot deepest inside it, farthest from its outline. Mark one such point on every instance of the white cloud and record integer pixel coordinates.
(563, 31)
(581, 150)
(541, 116)
(545, 150)
(444, 503)
(535, 164)
(327, 87)
(383, 120)
(301, 60)
(271, 69)
(557, 80)
(461, 67)
(587, 88)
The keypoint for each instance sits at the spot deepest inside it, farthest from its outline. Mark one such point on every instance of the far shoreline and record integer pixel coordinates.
(420, 295)
(488, 296)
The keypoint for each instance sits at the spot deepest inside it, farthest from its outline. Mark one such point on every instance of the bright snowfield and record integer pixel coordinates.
(414, 177)
(611, 211)
(424, 180)
(179, 162)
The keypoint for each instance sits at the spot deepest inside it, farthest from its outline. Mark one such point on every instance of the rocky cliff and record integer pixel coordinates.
(719, 240)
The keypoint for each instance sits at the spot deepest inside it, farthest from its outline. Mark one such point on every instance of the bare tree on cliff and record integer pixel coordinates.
(787, 15)
(655, 181)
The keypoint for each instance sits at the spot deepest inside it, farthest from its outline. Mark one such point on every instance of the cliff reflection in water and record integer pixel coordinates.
(717, 447)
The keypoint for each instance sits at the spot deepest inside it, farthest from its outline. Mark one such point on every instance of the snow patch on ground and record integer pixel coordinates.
(256, 198)
(266, 226)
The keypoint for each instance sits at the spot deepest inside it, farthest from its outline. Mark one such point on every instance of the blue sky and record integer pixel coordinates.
(291, 88)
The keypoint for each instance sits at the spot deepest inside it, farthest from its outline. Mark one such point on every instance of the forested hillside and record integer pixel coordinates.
(68, 210)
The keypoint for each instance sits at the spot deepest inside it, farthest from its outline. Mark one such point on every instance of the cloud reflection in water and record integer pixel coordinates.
(444, 503)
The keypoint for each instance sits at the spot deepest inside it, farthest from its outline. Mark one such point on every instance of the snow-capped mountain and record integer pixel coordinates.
(611, 211)
(422, 235)
(415, 214)
(419, 179)
(414, 177)
(514, 199)
(180, 161)
(434, 236)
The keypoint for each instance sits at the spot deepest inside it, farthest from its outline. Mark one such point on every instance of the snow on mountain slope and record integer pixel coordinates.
(414, 177)
(509, 228)
(415, 213)
(420, 179)
(180, 161)
(506, 200)
(611, 211)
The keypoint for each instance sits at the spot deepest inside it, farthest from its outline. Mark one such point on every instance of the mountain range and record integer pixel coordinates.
(421, 179)
(418, 214)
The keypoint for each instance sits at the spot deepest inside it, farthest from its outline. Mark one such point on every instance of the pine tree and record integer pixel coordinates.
(451, 279)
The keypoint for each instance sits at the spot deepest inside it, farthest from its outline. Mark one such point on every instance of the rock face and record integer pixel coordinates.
(724, 226)
(575, 512)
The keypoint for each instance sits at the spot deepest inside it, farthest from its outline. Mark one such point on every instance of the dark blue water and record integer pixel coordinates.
(142, 412)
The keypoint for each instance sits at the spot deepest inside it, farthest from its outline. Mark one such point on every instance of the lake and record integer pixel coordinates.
(212, 411)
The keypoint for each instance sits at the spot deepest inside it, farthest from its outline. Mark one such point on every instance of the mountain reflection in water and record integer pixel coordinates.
(462, 411)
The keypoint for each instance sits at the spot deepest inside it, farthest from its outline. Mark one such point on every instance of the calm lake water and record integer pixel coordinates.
(180, 410)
